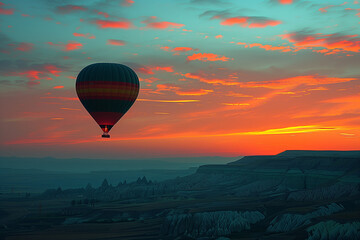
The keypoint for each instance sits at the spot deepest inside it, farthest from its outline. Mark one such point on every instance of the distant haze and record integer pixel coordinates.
(87, 165)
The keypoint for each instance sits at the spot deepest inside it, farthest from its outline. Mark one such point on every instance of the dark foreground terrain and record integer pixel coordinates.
(292, 195)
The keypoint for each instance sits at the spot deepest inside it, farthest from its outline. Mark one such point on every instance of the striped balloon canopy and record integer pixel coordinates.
(107, 91)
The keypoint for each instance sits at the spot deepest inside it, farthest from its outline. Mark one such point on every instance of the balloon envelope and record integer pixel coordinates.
(107, 91)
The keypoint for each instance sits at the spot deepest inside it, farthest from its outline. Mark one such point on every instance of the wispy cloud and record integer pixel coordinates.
(166, 101)
(228, 19)
(326, 8)
(5, 11)
(150, 69)
(127, 3)
(331, 43)
(123, 24)
(193, 92)
(70, 46)
(285, 2)
(153, 23)
(65, 9)
(207, 57)
(293, 130)
(178, 50)
(84, 35)
(116, 42)
(285, 83)
(38, 73)
(23, 46)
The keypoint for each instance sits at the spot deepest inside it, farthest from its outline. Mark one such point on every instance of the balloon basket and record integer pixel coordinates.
(105, 135)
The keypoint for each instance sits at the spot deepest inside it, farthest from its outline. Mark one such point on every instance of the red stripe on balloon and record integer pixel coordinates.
(105, 84)
(111, 97)
(106, 118)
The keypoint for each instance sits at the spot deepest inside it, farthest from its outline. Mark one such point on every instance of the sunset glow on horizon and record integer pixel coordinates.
(217, 78)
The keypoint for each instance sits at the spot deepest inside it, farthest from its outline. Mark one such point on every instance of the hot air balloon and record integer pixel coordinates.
(107, 91)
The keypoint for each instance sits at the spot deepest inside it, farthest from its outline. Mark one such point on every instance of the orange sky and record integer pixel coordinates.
(223, 78)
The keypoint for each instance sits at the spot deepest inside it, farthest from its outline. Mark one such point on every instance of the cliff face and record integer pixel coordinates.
(333, 161)
(288, 221)
(210, 224)
(334, 230)
(319, 173)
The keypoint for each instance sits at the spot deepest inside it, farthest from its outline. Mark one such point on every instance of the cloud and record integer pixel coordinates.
(124, 24)
(71, 109)
(235, 20)
(250, 22)
(58, 87)
(227, 19)
(63, 98)
(65, 9)
(310, 80)
(30, 74)
(264, 24)
(150, 69)
(341, 105)
(193, 92)
(166, 87)
(285, 84)
(166, 101)
(285, 1)
(354, 10)
(37, 73)
(153, 24)
(23, 46)
(127, 3)
(165, 48)
(267, 47)
(149, 80)
(214, 14)
(325, 9)
(338, 106)
(272, 131)
(86, 35)
(237, 104)
(70, 46)
(234, 94)
(115, 42)
(294, 130)
(4, 11)
(353, 99)
(211, 79)
(332, 43)
(54, 70)
(106, 15)
(181, 92)
(205, 57)
(178, 50)
(184, 49)
(164, 25)
(218, 36)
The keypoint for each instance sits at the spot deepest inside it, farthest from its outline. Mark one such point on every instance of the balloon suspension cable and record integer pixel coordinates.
(106, 135)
